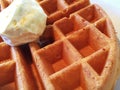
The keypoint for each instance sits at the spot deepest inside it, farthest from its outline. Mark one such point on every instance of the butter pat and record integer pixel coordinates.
(21, 22)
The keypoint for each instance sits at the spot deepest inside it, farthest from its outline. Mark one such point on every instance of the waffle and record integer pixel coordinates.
(78, 51)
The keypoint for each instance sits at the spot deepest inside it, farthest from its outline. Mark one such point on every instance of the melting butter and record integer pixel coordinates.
(21, 22)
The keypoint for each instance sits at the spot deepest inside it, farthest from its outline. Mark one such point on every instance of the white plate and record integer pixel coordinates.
(112, 8)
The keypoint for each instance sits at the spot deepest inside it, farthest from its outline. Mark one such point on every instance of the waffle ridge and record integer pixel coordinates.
(78, 51)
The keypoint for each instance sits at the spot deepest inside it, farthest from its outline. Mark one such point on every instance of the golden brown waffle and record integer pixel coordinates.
(56, 9)
(78, 51)
(4, 3)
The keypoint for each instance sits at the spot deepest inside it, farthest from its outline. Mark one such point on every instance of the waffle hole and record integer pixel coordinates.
(48, 37)
(71, 1)
(104, 26)
(49, 6)
(60, 64)
(88, 40)
(91, 13)
(52, 6)
(98, 61)
(10, 86)
(7, 67)
(5, 53)
(69, 79)
(55, 57)
(70, 25)
(1, 40)
(26, 53)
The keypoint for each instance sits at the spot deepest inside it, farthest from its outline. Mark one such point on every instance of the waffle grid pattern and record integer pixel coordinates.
(57, 9)
(76, 52)
(80, 49)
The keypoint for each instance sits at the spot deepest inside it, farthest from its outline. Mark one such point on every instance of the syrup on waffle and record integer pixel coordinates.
(78, 51)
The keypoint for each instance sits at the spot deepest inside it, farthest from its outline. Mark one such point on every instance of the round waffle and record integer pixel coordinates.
(78, 51)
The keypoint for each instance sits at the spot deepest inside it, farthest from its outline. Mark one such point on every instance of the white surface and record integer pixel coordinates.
(112, 8)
